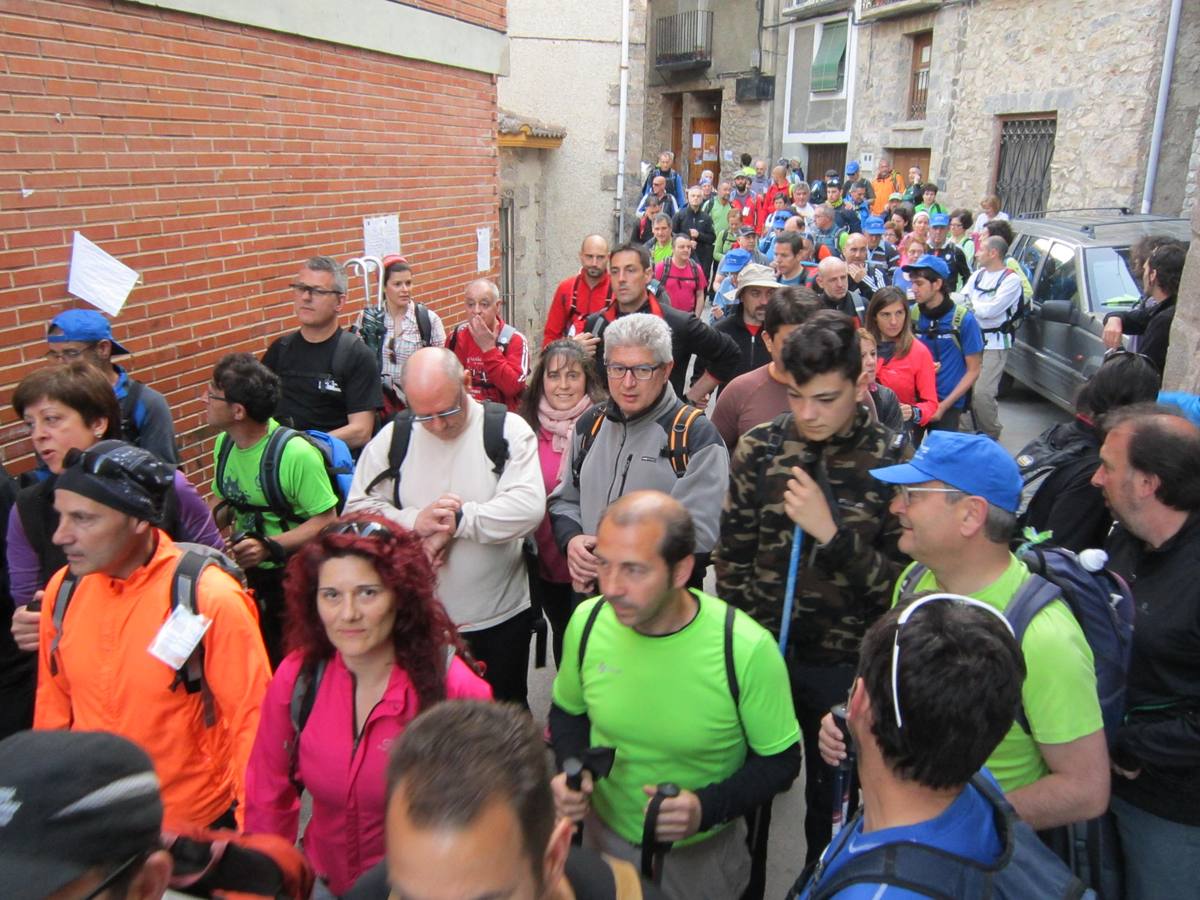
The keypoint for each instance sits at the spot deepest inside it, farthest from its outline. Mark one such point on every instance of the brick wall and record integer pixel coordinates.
(488, 13)
(214, 158)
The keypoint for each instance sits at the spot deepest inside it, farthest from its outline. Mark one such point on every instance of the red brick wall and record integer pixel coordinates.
(213, 159)
(488, 13)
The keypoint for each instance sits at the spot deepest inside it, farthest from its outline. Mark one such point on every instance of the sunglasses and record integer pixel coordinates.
(908, 614)
(359, 529)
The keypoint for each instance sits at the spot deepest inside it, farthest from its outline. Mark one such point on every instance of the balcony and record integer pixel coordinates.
(683, 41)
(874, 10)
(802, 8)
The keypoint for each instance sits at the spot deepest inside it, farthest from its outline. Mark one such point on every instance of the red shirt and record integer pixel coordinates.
(573, 302)
(498, 374)
(912, 378)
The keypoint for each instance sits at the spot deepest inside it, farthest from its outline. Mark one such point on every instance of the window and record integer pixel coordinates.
(829, 65)
(918, 93)
(1110, 283)
(1057, 280)
(1023, 177)
(1030, 254)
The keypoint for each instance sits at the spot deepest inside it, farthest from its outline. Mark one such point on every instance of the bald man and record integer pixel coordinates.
(472, 520)
(577, 297)
(833, 284)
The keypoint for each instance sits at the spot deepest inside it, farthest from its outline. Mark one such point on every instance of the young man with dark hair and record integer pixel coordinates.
(267, 522)
(810, 469)
(952, 335)
(929, 204)
(330, 378)
(789, 258)
(1151, 482)
(761, 394)
(471, 814)
(688, 692)
(1152, 322)
(145, 416)
(951, 253)
(938, 681)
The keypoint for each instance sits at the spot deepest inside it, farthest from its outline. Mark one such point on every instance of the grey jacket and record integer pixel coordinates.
(631, 455)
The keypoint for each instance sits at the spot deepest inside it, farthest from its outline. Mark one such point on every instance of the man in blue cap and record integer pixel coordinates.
(725, 283)
(145, 417)
(952, 336)
(882, 256)
(956, 500)
(955, 258)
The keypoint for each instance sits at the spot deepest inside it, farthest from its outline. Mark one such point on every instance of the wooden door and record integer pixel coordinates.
(704, 149)
(903, 160)
(822, 157)
(677, 147)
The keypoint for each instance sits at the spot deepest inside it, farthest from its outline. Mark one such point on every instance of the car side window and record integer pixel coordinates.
(1059, 279)
(1029, 252)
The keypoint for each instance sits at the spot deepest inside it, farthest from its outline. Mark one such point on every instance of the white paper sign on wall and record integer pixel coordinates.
(100, 279)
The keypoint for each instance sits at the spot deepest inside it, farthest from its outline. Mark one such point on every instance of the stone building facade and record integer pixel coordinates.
(559, 124)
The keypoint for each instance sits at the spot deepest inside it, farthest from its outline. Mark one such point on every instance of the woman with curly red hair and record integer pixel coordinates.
(375, 648)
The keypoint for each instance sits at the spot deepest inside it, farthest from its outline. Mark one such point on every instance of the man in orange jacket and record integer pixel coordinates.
(109, 662)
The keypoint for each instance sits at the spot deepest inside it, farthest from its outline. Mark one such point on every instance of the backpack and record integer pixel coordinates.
(188, 569)
(1045, 454)
(1016, 315)
(130, 431)
(1026, 867)
(220, 863)
(663, 273)
(1099, 600)
(678, 430)
(495, 444)
(335, 455)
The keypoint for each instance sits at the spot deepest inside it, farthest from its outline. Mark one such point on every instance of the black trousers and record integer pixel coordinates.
(267, 585)
(504, 651)
(558, 602)
(814, 690)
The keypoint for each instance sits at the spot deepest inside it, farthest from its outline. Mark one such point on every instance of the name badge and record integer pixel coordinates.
(178, 637)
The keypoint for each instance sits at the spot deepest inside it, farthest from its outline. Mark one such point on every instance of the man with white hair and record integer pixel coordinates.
(495, 353)
(642, 438)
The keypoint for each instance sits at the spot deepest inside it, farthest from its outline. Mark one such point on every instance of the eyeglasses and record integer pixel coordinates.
(439, 415)
(301, 289)
(69, 355)
(907, 490)
(641, 373)
(908, 614)
(359, 529)
(212, 396)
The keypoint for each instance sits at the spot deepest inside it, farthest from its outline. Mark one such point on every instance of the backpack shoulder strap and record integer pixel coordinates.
(495, 445)
(771, 449)
(452, 341)
(677, 437)
(504, 338)
(341, 353)
(588, 427)
(268, 471)
(398, 449)
(66, 590)
(424, 324)
(1030, 599)
(908, 586)
(224, 449)
(30, 510)
(304, 695)
(129, 406)
(188, 569)
(735, 690)
(587, 632)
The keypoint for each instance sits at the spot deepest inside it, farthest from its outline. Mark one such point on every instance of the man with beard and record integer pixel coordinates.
(584, 293)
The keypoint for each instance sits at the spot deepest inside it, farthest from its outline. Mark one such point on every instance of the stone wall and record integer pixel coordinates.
(1183, 359)
(1183, 116)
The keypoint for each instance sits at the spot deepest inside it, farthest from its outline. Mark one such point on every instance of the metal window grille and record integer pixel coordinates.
(918, 95)
(1023, 179)
(684, 40)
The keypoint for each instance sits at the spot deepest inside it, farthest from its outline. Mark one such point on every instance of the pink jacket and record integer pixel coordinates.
(347, 782)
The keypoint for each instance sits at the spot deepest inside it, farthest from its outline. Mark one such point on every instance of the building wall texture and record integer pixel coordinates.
(213, 158)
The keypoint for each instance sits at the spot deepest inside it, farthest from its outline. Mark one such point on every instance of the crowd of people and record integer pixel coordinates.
(396, 516)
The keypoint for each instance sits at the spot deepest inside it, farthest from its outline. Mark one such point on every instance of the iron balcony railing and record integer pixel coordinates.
(684, 40)
(884, 9)
(919, 96)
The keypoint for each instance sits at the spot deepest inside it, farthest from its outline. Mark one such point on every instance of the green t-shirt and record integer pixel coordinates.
(1059, 694)
(302, 478)
(664, 703)
(658, 254)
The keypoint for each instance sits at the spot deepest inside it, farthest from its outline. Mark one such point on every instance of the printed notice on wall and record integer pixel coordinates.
(100, 279)
(381, 235)
(483, 249)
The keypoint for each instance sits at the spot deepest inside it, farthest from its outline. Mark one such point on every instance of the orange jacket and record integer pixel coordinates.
(108, 681)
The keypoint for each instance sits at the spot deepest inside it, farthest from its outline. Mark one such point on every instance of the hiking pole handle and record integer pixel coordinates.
(843, 772)
(789, 598)
(573, 768)
(653, 849)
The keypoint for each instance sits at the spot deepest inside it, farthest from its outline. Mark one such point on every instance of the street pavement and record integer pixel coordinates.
(1023, 415)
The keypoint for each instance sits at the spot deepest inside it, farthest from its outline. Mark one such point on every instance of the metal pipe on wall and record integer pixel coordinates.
(622, 115)
(1160, 111)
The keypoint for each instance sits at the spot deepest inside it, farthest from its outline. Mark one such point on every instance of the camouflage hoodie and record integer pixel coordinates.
(842, 586)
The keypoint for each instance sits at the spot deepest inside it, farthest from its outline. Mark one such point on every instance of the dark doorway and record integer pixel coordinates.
(822, 157)
(1023, 167)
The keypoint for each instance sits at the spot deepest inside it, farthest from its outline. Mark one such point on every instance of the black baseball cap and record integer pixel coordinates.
(72, 801)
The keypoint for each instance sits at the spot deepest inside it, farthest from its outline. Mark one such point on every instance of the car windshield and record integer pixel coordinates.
(1111, 283)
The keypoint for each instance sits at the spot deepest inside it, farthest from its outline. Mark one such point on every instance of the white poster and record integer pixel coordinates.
(381, 235)
(483, 249)
(98, 278)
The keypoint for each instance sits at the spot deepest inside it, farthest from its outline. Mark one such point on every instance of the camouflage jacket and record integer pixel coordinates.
(842, 586)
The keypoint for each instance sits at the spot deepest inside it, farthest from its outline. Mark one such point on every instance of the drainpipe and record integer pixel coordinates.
(622, 115)
(1160, 111)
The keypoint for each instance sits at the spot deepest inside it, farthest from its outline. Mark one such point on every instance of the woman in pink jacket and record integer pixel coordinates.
(371, 648)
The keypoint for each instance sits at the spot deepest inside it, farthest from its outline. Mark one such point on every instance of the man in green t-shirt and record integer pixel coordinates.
(686, 690)
(241, 399)
(956, 501)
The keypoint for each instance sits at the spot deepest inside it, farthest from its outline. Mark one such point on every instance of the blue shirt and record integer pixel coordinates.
(966, 828)
(944, 345)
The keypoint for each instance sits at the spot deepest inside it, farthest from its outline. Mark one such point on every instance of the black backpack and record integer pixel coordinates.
(129, 404)
(1049, 451)
(188, 569)
(1026, 869)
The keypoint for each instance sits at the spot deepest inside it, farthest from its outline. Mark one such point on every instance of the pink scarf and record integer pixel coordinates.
(560, 423)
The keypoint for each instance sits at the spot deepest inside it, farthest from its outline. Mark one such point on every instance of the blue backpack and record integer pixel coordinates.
(335, 453)
(1099, 600)
(1026, 869)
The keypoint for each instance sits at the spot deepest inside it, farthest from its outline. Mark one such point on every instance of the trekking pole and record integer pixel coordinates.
(653, 850)
(374, 326)
(598, 761)
(843, 773)
(789, 598)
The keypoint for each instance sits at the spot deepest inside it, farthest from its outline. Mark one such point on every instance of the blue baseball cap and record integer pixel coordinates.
(973, 463)
(734, 260)
(873, 225)
(929, 261)
(85, 326)
(852, 167)
(939, 220)
(780, 218)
